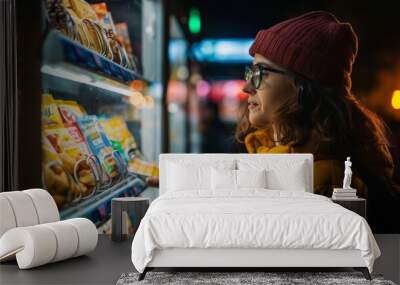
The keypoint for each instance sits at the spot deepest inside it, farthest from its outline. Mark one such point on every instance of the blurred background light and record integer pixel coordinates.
(177, 50)
(194, 21)
(203, 88)
(222, 50)
(396, 99)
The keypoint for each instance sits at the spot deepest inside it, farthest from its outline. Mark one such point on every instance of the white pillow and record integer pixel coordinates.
(222, 179)
(281, 175)
(184, 175)
(251, 178)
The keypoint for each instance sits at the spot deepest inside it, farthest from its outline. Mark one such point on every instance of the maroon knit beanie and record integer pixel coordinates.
(315, 45)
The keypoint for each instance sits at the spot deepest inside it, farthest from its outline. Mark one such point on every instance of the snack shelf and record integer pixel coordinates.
(66, 76)
(85, 207)
(60, 49)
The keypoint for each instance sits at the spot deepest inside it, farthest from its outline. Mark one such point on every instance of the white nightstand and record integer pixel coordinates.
(357, 205)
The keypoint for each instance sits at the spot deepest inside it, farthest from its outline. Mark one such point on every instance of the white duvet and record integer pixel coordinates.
(253, 218)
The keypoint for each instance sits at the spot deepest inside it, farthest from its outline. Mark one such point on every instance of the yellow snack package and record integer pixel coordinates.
(50, 114)
(64, 144)
(55, 179)
(65, 147)
(144, 168)
(70, 110)
(117, 130)
(83, 9)
(73, 159)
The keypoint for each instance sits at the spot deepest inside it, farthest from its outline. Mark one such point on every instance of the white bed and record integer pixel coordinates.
(249, 227)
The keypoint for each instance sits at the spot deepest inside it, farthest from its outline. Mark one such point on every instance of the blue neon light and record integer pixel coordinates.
(222, 50)
(177, 51)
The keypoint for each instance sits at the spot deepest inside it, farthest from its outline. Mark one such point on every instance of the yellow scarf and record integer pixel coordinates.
(259, 142)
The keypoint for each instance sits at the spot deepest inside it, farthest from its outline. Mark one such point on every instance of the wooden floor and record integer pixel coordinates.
(111, 259)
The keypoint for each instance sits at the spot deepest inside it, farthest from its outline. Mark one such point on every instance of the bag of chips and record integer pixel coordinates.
(141, 167)
(50, 114)
(61, 131)
(117, 131)
(55, 179)
(99, 145)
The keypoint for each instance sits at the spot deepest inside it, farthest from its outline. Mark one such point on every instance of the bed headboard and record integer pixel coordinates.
(209, 157)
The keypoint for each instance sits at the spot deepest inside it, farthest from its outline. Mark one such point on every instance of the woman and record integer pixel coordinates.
(300, 101)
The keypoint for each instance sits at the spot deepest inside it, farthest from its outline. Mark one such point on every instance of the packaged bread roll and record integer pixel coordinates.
(83, 9)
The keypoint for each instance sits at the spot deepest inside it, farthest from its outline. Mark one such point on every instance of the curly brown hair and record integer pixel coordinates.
(334, 113)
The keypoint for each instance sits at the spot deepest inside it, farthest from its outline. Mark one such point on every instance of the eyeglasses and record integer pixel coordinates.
(253, 74)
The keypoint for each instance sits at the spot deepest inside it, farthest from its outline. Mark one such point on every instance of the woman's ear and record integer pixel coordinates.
(305, 96)
(301, 94)
(300, 86)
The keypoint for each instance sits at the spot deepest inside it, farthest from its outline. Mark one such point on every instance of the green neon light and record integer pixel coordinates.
(194, 21)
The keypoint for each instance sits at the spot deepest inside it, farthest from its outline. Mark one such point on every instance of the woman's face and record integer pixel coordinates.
(274, 90)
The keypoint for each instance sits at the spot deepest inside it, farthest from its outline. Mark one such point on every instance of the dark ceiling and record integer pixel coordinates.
(376, 23)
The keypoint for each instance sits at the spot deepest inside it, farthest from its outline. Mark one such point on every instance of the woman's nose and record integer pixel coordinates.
(249, 89)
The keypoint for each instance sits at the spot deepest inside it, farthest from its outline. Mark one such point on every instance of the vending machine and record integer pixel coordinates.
(88, 101)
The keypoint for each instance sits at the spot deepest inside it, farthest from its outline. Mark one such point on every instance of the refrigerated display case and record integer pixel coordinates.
(178, 90)
(89, 124)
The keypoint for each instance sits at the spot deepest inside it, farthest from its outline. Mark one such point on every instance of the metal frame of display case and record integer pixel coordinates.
(66, 50)
(85, 207)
